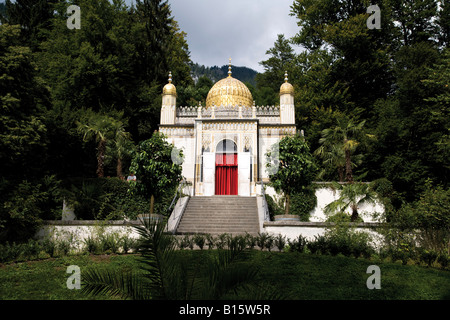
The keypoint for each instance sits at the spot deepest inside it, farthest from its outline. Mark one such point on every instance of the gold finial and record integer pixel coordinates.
(170, 76)
(229, 68)
(285, 76)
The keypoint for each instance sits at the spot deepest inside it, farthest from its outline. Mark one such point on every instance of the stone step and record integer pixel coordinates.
(220, 214)
(217, 219)
(219, 209)
(210, 226)
(217, 231)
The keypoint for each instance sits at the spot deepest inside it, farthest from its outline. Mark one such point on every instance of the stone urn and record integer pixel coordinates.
(287, 217)
(150, 217)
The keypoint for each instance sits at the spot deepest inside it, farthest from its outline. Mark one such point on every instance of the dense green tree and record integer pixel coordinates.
(154, 24)
(426, 218)
(380, 76)
(192, 95)
(155, 169)
(290, 166)
(23, 97)
(34, 17)
(113, 61)
(281, 57)
(443, 22)
(3, 15)
(421, 28)
(216, 73)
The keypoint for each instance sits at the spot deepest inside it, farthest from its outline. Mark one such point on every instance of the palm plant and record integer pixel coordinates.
(99, 128)
(121, 147)
(162, 275)
(352, 196)
(339, 143)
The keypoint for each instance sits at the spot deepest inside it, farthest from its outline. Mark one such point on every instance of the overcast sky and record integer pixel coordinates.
(239, 29)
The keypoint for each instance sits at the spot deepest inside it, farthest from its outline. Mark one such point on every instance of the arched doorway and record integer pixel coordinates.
(226, 168)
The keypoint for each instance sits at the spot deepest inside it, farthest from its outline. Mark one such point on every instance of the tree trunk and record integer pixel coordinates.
(119, 169)
(354, 214)
(348, 166)
(152, 202)
(101, 158)
(341, 174)
(288, 200)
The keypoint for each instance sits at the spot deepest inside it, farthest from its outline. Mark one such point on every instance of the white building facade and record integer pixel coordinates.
(224, 143)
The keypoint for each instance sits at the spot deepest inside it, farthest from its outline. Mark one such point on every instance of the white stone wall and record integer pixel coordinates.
(77, 231)
(368, 212)
(187, 145)
(325, 196)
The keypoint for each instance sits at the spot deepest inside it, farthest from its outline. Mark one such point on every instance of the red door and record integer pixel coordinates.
(226, 174)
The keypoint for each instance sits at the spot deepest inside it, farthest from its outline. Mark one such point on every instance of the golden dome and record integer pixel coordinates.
(286, 87)
(170, 88)
(229, 91)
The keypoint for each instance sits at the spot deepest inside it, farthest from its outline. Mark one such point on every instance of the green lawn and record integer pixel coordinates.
(297, 276)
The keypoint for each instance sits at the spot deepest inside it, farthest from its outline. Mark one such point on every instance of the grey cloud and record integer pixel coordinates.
(241, 29)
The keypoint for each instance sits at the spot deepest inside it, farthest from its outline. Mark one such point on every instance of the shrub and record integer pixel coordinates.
(251, 241)
(222, 241)
(184, 242)
(104, 198)
(31, 249)
(238, 242)
(342, 240)
(10, 252)
(92, 245)
(319, 245)
(298, 245)
(443, 260)
(427, 218)
(428, 256)
(303, 203)
(210, 241)
(49, 247)
(199, 240)
(25, 205)
(109, 243)
(262, 240)
(274, 207)
(280, 241)
(63, 247)
(269, 242)
(127, 243)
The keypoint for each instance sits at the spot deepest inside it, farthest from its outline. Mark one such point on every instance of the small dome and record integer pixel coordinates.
(169, 89)
(286, 87)
(229, 91)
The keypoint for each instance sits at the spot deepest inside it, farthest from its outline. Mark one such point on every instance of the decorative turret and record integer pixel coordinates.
(169, 102)
(287, 113)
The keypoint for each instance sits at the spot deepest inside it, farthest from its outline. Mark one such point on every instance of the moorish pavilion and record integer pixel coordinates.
(224, 142)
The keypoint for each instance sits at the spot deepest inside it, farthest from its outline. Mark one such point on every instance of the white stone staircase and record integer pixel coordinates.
(220, 214)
